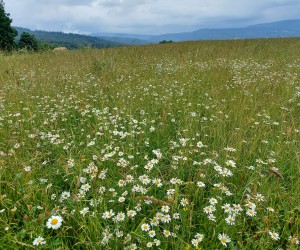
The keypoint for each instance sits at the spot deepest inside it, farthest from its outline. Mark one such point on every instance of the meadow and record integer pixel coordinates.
(189, 145)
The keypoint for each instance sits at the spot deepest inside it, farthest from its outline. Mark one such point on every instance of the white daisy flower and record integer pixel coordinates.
(39, 241)
(145, 227)
(274, 235)
(54, 222)
(224, 239)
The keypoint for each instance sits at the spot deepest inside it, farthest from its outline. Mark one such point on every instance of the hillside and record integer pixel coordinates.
(69, 40)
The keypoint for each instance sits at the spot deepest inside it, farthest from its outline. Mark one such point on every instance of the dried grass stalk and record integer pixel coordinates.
(275, 171)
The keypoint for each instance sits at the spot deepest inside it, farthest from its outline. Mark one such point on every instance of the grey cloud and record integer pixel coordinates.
(147, 16)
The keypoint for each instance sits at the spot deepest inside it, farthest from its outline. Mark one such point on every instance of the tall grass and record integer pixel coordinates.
(174, 146)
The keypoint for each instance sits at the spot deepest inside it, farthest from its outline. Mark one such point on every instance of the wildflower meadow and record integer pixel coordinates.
(184, 146)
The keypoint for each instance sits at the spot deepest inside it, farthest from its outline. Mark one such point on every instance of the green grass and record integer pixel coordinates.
(182, 122)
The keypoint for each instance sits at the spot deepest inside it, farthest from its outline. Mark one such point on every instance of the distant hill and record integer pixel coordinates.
(134, 39)
(69, 40)
(285, 28)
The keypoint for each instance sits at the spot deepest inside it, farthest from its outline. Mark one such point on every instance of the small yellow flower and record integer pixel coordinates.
(188, 247)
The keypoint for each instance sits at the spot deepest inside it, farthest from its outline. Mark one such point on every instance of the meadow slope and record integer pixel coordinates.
(189, 145)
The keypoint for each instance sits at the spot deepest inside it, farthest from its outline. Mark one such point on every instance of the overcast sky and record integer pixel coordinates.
(146, 16)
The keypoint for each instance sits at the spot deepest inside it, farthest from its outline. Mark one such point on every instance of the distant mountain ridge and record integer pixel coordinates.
(285, 28)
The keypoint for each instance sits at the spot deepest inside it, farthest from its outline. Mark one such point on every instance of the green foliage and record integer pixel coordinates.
(7, 32)
(28, 42)
(46, 46)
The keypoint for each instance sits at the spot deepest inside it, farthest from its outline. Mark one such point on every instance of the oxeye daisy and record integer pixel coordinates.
(167, 233)
(211, 217)
(230, 220)
(224, 239)
(120, 216)
(184, 202)
(149, 244)
(145, 227)
(131, 213)
(121, 199)
(274, 235)
(54, 222)
(39, 241)
(84, 211)
(197, 239)
(166, 218)
(230, 163)
(200, 144)
(207, 210)
(251, 212)
(119, 234)
(165, 208)
(237, 208)
(152, 233)
(259, 197)
(154, 221)
(27, 169)
(200, 184)
(213, 201)
(199, 236)
(294, 240)
(251, 205)
(121, 183)
(176, 216)
(156, 242)
(148, 167)
(226, 208)
(195, 242)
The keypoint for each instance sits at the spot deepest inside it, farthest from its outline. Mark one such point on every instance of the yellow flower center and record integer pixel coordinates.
(54, 221)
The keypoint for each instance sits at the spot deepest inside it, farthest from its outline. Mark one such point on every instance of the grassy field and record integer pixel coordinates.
(179, 146)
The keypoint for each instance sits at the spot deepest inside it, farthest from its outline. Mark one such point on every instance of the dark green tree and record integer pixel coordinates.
(165, 41)
(7, 32)
(46, 46)
(28, 41)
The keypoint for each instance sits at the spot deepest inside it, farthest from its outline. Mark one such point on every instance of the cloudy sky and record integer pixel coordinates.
(146, 16)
